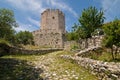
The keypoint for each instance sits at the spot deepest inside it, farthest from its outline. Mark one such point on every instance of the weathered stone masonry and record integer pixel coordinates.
(52, 29)
(103, 70)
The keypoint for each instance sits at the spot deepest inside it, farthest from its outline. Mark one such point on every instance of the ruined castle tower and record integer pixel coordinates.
(53, 19)
(52, 30)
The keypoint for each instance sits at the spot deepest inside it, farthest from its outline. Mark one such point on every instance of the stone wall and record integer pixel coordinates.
(103, 70)
(18, 51)
(82, 44)
(91, 42)
(49, 38)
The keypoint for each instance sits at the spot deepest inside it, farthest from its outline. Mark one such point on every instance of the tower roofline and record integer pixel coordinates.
(53, 10)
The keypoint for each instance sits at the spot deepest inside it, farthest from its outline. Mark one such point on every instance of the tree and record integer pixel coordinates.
(81, 33)
(73, 35)
(7, 22)
(112, 36)
(90, 20)
(24, 37)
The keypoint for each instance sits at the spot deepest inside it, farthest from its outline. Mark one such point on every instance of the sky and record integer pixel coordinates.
(28, 12)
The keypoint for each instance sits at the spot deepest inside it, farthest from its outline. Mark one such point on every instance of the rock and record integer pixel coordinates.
(54, 74)
(103, 69)
(114, 76)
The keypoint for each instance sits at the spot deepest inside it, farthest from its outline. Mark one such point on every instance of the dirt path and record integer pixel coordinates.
(53, 67)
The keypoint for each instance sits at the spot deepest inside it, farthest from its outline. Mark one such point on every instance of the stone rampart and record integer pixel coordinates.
(49, 38)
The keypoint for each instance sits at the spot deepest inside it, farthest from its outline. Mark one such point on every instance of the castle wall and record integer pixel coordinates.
(49, 38)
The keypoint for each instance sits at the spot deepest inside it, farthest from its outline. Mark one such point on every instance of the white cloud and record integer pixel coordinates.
(107, 4)
(111, 8)
(37, 6)
(28, 5)
(61, 5)
(25, 27)
(35, 22)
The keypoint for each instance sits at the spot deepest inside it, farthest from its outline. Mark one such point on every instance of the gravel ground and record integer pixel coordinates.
(51, 66)
(55, 68)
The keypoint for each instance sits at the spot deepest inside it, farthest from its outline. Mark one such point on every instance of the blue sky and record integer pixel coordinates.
(27, 12)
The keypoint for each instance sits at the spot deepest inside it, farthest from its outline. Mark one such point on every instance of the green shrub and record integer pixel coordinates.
(3, 41)
(4, 47)
(74, 47)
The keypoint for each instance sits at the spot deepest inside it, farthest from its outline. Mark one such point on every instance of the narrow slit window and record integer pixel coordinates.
(53, 17)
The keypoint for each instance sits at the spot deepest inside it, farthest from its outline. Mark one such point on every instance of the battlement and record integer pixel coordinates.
(53, 10)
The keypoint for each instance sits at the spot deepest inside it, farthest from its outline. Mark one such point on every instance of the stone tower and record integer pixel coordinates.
(52, 30)
(53, 19)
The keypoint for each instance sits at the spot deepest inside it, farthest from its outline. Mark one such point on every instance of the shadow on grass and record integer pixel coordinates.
(115, 60)
(13, 69)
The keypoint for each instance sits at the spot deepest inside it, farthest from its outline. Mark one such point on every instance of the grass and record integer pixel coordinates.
(102, 55)
(70, 67)
(16, 67)
(22, 57)
(33, 47)
(108, 57)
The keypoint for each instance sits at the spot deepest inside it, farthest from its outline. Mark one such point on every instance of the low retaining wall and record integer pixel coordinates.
(103, 70)
(14, 50)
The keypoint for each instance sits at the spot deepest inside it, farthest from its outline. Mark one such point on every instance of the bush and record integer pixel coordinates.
(4, 47)
(74, 47)
(3, 41)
